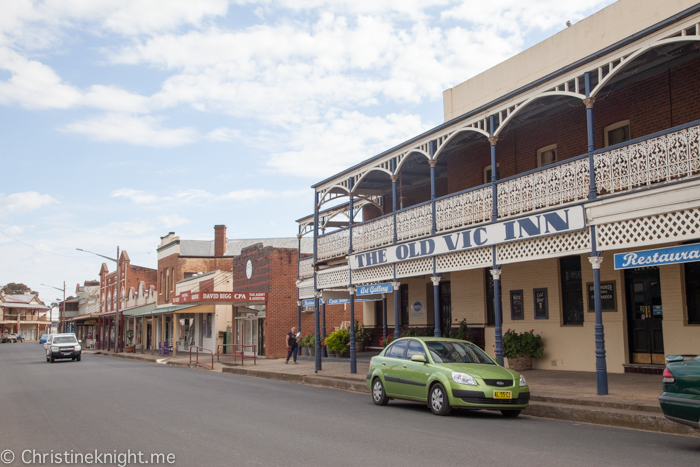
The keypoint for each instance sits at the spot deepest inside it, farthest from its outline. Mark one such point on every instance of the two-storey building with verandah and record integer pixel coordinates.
(547, 200)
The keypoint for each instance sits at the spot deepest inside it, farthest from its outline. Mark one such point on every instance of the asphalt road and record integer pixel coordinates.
(211, 419)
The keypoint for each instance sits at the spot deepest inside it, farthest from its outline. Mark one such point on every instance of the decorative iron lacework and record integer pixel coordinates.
(661, 228)
(545, 247)
(558, 185)
(468, 259)
(669, 157)
(306, 268)
(414, 223)
(373, 234)
(379, 273)
(333, 245)
(334, 278)
(306, 292)
(415, 267)
(464, 209)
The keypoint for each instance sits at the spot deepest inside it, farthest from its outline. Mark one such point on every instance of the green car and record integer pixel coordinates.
(680, 400)
(445, 373)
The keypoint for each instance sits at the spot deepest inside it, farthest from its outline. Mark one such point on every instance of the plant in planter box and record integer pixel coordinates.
(336, 340)
(463, 332)
(521, 348)
(386, 340)
(361, 337)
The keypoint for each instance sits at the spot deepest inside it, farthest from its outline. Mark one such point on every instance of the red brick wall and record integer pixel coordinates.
(179, 265)
(275, 272)
(131, 276)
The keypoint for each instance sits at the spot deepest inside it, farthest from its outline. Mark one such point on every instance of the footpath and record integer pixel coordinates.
(564, 395)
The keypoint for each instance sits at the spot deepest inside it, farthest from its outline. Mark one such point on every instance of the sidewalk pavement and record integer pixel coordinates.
(565, 395)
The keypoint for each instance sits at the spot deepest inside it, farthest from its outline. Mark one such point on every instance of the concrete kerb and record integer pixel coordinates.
(634, 415)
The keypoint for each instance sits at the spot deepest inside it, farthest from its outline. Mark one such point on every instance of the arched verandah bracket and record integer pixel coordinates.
(447, 140)
(630, 58)
(407, 156)
(362, 177)
(527, 102)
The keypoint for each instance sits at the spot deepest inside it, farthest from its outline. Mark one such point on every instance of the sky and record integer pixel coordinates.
(123, 120)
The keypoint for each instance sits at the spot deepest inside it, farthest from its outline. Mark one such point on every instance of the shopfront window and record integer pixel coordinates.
(249, 328)
(571, 290)
(692, 291)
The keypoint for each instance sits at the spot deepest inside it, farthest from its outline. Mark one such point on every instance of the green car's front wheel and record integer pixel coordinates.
(438, 401)
(378, 393)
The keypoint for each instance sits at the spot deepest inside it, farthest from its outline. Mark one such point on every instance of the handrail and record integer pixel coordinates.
(197, 356)
(234, 353)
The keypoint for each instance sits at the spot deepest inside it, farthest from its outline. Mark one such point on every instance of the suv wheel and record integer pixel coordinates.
(77, 359)
(438, 401)
(51, 358)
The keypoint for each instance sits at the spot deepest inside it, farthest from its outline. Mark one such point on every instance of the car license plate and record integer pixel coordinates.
(502, 395)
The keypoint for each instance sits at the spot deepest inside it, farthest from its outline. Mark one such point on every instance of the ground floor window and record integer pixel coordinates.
(692, 291)
(404, 305)
(490, 311)
(379, 313)
(571, 290)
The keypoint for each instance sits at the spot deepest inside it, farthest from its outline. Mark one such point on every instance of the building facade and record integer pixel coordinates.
(510, 214)
(24, 314)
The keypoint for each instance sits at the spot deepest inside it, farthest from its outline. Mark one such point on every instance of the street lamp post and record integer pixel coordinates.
(60, 308)
(117, 316)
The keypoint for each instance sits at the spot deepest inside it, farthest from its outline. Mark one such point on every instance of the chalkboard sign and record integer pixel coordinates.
(607, 296)
(516, 305)
(541, 305)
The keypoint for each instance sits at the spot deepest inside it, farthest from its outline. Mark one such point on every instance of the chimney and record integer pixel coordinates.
(219, 240)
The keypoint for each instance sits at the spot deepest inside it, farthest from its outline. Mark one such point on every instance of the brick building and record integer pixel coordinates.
(500, 197)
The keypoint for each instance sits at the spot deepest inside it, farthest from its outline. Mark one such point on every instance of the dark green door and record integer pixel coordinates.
(645, 315)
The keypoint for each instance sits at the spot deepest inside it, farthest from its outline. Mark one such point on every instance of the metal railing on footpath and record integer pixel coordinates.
(235, 353)
(197, 349)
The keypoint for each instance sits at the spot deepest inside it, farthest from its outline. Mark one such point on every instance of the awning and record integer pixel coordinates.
(139, 310)
(163, 310)
(30, 306)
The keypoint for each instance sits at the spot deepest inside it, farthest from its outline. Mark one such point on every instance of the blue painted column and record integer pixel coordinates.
(298, 279)
(351, 184)
(436, 304)
(589, 101)
(353, 354)
(432, 148)
(397, 331)
(496, 274)
(385, 331)
(494, 169)
(323, 329)
(298, 315)
(601, 368)
(394, 199)
(317, 337)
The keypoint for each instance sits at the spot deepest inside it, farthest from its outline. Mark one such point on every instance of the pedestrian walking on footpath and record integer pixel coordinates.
(292, 346)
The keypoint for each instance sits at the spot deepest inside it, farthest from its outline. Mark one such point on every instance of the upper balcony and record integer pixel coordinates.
(637, 101)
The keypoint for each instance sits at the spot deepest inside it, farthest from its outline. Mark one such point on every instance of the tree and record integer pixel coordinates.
(13, 288)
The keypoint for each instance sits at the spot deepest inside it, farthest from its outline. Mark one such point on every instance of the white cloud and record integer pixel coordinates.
(189, 196)
(24, 202)
(329, 147)
(242, 195)
(138, 130)
(172, 220)
(224, 134)
(136, 196)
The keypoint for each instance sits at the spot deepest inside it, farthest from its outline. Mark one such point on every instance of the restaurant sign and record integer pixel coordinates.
(658, 257)
(524, 228)
(218, 297)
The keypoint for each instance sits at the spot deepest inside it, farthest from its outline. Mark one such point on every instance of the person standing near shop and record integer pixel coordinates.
(292, 346)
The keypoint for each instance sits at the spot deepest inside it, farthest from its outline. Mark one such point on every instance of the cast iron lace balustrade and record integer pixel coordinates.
(414, 222)
(561, 184)
(373, 233)
(662, 159)
(306, 268)
(333, 245)
(464, 209)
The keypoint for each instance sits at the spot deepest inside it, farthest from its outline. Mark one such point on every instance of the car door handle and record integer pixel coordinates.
(403, 366)
(383, 364)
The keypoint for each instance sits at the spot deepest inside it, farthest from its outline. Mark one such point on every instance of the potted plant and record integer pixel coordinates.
(361, 337)
(336, 341)
(386, 340)
(462, 332)
(130, 336)
(521, 348)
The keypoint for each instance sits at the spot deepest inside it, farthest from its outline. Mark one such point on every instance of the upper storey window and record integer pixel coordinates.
(617, 133)
(547, 155)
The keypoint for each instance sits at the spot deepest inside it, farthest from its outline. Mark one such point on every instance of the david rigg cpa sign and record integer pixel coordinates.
(222, 297)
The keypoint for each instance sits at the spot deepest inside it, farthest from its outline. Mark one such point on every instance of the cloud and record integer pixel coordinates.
(334, 145)
(136, 196)
(189, 196)
(24, 202)
(125, 128)
(172, 220)
(224, 134)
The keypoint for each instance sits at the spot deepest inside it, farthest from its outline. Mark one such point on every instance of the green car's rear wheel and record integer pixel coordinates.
(510, 413)
(378, 393)
(438, 401)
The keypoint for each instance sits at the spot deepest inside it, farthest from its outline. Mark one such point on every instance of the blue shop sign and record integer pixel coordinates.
(308, 302)
(343, 301)
(658, 257)
(374, 289)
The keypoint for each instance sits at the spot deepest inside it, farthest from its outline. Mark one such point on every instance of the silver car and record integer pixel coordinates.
(63, 346)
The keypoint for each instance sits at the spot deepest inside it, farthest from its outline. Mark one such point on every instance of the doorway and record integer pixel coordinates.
(445, 308)
(645, 315)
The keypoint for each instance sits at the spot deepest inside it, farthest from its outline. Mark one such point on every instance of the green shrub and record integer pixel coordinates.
(338, 339)
(524, 344)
